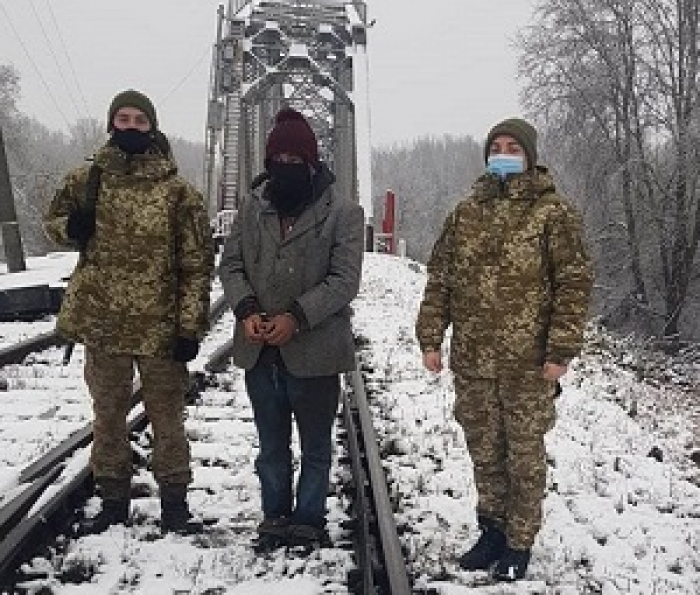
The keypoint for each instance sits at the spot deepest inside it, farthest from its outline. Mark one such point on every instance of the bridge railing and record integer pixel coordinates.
(221, 224)
(236, 5)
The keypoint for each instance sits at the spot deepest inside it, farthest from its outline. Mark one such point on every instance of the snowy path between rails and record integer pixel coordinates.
(617, 521)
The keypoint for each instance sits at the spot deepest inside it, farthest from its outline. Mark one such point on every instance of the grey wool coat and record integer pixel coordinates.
(315, 268)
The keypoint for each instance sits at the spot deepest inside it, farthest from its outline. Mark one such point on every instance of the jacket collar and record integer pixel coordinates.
(528, 186)
(151, 165)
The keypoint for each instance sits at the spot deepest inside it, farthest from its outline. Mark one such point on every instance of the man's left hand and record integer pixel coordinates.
(280, 329)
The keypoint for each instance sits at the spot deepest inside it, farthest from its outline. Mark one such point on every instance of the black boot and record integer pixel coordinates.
(174, 512)
(114, 512)
(512, 565)
(487, 549)
(308, 537)
(272, 534)
(115, 495)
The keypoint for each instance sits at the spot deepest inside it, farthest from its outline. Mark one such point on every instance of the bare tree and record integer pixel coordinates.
(614, 83)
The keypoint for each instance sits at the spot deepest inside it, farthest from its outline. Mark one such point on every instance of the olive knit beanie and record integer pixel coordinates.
(520, 130)
(132, 98)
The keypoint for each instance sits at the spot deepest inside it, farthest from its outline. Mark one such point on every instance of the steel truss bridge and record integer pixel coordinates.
(307, 54)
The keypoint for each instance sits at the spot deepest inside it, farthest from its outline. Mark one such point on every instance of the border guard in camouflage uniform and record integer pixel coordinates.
(511, 275)
(139, 295)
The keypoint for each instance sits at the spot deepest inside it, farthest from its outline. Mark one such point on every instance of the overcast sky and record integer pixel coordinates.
(443, 66)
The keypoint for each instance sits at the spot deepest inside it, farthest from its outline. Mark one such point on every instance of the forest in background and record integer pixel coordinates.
(39, 158)
(612, 87)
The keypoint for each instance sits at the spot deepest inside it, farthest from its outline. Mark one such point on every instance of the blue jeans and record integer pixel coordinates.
(276, 396)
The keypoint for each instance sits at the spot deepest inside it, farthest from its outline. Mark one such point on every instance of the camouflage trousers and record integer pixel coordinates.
(504, 421)
(109, 378)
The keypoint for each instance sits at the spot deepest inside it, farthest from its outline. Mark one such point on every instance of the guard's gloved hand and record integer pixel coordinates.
(81, 226)
(185, 349)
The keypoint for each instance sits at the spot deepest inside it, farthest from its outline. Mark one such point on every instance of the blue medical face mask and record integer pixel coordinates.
(502, 165)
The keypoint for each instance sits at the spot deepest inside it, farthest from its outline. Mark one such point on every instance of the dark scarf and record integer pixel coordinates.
(290, 188)
(131, 140)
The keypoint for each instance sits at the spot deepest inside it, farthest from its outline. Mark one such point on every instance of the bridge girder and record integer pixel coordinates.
(275, 53)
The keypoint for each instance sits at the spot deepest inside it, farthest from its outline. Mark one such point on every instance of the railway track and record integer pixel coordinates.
(43, 505)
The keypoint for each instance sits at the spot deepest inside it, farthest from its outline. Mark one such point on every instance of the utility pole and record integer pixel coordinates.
(9, 228)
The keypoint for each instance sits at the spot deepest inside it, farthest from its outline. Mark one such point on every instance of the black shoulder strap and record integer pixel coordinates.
(92, 187)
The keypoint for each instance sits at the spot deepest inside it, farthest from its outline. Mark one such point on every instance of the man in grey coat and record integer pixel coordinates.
(289, 269)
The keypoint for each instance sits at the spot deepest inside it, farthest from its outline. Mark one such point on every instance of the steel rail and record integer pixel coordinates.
(218, 361)
(21, 535)
(394, 564)
(14, 354)
(57, 454)
(12, 513)
(366, 561)
(18, 531)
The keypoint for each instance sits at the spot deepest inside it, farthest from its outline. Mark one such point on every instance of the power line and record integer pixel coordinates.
(55, 59)
(70, 62)
(187, 76)
(36, 68)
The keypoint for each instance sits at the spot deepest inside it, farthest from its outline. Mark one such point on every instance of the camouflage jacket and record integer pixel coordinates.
(145, 276)
(511, 274)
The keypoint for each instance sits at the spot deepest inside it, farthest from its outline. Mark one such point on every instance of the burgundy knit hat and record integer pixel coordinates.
(292, 134)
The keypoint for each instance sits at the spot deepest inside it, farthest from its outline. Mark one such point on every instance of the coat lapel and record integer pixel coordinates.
(311, 217)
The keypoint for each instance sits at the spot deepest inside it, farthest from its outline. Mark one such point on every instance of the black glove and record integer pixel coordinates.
(81, 226)
(185, 349)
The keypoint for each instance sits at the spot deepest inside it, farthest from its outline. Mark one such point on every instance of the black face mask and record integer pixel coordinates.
(290, 187)
(131, 141)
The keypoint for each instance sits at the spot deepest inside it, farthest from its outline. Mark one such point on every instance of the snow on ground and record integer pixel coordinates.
(621, 514)
(52, 270)
(616, 519)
